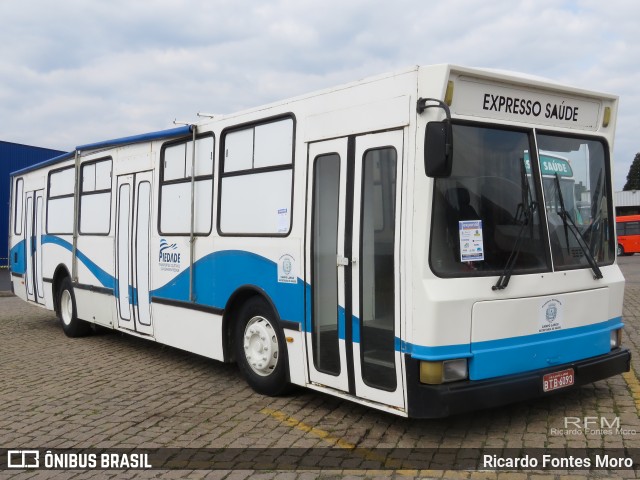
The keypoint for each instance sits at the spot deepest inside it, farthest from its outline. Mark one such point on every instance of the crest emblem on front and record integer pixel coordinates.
(552, 312)
(286, 266)
(551, 315)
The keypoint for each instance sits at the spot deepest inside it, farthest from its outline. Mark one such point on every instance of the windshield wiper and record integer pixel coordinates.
(524, 214)
(596, 215)
(503, 281)
(570, 225)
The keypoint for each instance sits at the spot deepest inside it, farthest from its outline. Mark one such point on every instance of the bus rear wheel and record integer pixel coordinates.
(620, 250)
(71, 324)
(261, 350)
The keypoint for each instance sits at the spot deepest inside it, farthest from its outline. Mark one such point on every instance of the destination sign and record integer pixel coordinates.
(477, 98)
(550, 165)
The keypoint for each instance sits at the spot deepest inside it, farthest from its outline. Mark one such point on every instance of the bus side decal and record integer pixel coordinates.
(103, 277)
(219, 274)
(17, 258)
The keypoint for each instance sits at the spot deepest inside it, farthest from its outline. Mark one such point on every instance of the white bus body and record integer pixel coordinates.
(312, 248)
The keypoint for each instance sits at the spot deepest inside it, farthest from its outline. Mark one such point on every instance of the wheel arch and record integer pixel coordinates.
(232, 309)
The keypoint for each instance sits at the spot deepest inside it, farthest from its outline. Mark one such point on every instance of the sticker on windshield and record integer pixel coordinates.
(471, 245)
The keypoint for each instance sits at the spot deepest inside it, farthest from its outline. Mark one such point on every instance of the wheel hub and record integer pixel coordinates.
(260, 346)
(66, 307)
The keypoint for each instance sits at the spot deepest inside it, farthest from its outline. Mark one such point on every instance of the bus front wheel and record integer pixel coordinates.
(71, 324)
(261, 350)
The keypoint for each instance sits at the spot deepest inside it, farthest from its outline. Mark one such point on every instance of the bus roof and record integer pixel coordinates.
(528, 80)
(145, 137)
(443, 71)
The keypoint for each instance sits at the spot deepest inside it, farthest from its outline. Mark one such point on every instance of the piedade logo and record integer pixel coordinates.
(168, 253)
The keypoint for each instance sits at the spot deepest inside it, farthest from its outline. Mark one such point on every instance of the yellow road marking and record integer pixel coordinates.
(298, 425)
(332, 440)
(634, 386)
(630, 377)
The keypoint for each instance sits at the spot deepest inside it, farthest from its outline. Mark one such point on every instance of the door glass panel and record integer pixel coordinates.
(38, 222)
(123, 251)
(29, 244)
(326, 192)
(377, 336)
(142, 252)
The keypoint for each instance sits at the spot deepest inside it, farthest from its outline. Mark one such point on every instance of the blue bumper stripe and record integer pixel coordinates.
(495, 358)
(434, 354)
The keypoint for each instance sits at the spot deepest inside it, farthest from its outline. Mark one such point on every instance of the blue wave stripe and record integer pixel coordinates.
(218, 275)
(18, 258)
(103, 277)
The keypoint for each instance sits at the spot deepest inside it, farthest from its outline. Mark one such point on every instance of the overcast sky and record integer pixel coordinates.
(79, 71)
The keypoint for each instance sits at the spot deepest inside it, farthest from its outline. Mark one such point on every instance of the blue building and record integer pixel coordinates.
(14, 156)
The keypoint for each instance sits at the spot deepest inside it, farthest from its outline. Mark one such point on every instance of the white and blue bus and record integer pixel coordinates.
(402, 241)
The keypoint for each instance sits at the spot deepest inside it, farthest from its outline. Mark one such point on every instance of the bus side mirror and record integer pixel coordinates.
(438, 149)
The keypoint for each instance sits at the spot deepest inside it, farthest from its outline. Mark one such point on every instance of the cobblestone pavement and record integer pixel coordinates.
(112, 390)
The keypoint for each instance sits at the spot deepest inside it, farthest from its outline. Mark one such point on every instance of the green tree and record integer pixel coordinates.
(633, 177)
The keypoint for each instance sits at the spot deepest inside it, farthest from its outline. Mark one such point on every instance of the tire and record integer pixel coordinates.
(620, 250)
(261, 351)
(71, 325)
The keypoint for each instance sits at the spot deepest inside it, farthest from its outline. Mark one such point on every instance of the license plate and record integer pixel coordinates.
(556, 380)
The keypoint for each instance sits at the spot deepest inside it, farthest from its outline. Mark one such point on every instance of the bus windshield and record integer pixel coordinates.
(491, 206)
(583, 192)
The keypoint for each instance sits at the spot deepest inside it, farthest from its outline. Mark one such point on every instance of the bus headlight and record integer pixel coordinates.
(435, 373)
(616, 338)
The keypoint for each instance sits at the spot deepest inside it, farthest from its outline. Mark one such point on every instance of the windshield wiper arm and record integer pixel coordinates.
(524, 213)
(570, 225)
(503, 281)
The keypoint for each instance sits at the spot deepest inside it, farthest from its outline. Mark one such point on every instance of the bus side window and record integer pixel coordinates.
(60, 201)
(632, 228)
(17, 199)
(95, 197)
(257, 179)
(175, 186)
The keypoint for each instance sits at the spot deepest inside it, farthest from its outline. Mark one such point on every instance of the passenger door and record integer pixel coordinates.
(327, 265)
(353, 325)
(34, 202)
(133, 230)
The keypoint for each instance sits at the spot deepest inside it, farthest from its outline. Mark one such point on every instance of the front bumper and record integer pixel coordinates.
(434, 401)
